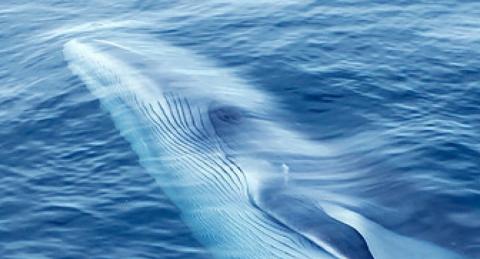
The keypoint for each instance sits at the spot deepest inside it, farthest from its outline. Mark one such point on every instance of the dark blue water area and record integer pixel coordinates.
(395, 84)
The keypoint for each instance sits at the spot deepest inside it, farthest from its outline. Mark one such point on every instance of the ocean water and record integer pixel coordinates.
(394, 85)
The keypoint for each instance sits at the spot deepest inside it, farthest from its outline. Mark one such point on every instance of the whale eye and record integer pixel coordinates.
(226, 115)
(228, 123)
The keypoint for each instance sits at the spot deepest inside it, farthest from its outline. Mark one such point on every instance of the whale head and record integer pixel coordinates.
(171, 85)
(190, 124)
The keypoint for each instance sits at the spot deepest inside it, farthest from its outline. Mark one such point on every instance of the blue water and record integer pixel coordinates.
(395, 84)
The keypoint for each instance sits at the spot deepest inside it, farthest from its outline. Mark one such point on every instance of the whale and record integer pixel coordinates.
(216, 147)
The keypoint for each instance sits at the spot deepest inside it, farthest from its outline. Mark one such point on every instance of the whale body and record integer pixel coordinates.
(207, 138)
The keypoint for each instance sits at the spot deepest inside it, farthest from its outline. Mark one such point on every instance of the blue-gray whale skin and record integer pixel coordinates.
(206, 137)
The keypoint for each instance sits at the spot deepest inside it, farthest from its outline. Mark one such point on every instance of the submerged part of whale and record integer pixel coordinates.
(208, 140)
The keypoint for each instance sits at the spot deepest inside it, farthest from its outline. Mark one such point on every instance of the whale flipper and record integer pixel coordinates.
(306, 217)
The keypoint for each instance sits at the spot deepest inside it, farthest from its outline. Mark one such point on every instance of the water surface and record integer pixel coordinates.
(394, 85)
